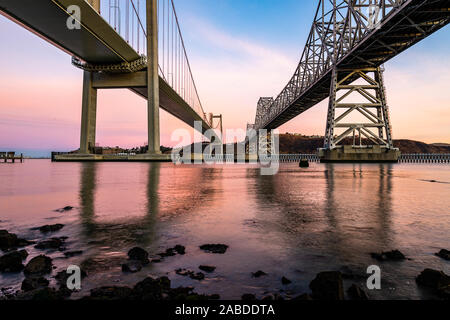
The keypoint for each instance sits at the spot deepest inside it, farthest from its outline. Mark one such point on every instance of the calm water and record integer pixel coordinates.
(294, 224)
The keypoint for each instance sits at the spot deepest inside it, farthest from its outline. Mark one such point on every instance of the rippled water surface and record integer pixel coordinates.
(294, 224)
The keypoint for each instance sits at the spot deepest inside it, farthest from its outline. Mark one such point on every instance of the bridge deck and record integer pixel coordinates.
(412, 22)
(96, 42)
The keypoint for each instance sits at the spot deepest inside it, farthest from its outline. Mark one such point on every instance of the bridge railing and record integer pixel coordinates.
(128, 18)
(425, 158)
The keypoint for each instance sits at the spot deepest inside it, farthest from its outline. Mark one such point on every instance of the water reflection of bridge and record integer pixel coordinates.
(334, 210)
(145, 212)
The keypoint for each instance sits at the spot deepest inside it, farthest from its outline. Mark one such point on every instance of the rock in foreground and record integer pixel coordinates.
(196, 276)
(214, 248)
(132, 266)
(444, 254)
(208, 269)
(52, 243)
(12, 262)
(180, 249)
(394, 255)
(39, 265)
(258, 274)
(66, 208)
(71, 254)
(138, 254)
(51, 228)
(328, 286)
(11, 241)
(436, 280)
(285, 281)
(34, 283)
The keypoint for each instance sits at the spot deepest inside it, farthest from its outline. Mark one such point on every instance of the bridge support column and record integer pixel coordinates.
(154, 146)
(88, 114)
(368, 136)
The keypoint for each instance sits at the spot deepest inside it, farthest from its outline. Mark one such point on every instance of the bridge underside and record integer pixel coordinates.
(95, 43)
(416, 20)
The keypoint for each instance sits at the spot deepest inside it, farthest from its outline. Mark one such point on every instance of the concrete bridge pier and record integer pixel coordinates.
(88, 114)
(369, 138)
(93, 81)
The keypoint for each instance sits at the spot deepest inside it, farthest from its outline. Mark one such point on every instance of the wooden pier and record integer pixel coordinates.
(10, 156)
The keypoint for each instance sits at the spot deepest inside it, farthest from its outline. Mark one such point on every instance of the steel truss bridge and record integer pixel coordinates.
(348, 43)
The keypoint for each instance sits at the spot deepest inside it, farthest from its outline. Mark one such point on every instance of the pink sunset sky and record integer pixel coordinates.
(40, 91)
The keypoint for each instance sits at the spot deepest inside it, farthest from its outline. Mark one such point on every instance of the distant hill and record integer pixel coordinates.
(441, 144)
(297, 143)
(293, 143)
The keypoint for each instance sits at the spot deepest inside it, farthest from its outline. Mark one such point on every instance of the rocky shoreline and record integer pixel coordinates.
(327, 285)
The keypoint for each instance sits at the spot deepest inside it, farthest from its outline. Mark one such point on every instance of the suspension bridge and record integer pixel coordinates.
(133, 44)
(343, 59)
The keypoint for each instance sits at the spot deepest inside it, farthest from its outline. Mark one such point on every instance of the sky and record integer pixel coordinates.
(239, 50)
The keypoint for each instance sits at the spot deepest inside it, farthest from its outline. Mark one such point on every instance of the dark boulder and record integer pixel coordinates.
(193, 275)
(38, 266)
(11, 241)
(23, 253)
(12, 262)
(51, 228)
(208, 269)
(258, 274)
(435, 280)
(394, 255)
(33, 283)
(197, 276)
(132, 266)
(183, 272)
(444, 254)
(304, 163)
(52, 243)
(285, 281)
(180, 249)
(71, 254)
(328, 286)
(66, 208)
(138, 254)
(151, 289)
(7, 240)
(168, 253)
(356, 293)
(214, 248)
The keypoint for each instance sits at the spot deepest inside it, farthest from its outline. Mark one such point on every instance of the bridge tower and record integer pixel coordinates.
(358, 123)
(91, 84)
(264, 143)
